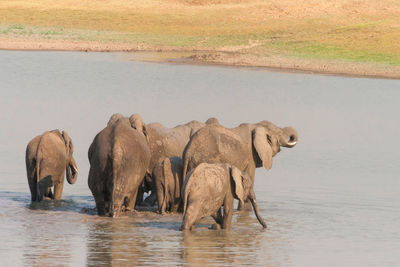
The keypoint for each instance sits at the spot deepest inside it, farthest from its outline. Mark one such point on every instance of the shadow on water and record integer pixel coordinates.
(79, 204)
(18, 197)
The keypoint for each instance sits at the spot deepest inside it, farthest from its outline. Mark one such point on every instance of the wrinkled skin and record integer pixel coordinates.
(165, 143)
(48, 156)
(118, 156)
(209, 187)
(247, 146)
(167, 176)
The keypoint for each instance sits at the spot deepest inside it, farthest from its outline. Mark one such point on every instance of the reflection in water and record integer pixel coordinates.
(333, 200)
(219, 247)
(49, 230)
(45, 243)
(143, 239)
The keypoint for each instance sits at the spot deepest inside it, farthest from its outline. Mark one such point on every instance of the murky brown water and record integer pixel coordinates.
(333, 200)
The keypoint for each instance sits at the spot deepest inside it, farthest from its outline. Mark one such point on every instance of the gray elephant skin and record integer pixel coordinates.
(119, 157)
(165, 142)
(208, 187)
(47, 157)
(247, 146)
(167, 178)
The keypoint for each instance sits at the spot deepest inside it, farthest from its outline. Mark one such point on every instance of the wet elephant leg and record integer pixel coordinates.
(49, 194)
(190, 217)
(43, 187)
(228, 212)
(139, 196)
(247, 204)
(58, 188)
(245, 207)
(218, 219)
(130, 202)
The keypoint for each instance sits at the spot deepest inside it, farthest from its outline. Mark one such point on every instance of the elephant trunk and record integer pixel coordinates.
(253, 200)
(72, 171)
(288, 137)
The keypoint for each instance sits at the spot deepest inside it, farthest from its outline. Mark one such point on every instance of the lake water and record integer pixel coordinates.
(333, 200)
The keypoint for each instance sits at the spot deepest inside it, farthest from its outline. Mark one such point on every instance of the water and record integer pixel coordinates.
(333, 200)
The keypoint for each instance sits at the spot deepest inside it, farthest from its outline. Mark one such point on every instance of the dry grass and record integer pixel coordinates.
(357, 31)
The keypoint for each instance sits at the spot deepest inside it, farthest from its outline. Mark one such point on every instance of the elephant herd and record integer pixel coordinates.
(196, 168)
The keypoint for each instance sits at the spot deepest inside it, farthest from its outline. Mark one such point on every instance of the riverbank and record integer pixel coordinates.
(225, 58)
(340, 37)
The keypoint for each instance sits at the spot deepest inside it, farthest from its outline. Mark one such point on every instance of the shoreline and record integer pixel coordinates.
(220, 57)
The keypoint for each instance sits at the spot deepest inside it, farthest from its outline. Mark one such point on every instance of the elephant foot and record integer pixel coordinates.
(215, 226)
(47, 198)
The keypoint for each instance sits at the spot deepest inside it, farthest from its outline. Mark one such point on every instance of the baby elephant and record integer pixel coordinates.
(47, 157)
(209, 187)
(167, 177)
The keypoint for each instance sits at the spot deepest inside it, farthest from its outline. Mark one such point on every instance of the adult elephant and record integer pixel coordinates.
(119, 157)
(165, 142)
(47, 157)
(247, 146)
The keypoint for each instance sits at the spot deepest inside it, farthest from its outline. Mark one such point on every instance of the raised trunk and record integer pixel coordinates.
(289, 137)
(253, 200)
(72, 171)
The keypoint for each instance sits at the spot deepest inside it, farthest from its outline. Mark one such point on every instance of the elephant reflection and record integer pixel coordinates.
(112, 243)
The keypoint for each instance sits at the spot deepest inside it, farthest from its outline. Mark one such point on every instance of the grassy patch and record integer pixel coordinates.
(326, 51)
(366, 31)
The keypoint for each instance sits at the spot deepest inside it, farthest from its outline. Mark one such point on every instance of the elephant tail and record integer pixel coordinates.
(117, 188)
(185, 168)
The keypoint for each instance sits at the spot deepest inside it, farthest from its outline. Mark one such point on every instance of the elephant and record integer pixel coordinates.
(165, 143)
(119, 156)
(47, 157)
(167, 178)
(247, 146)
(208, 187)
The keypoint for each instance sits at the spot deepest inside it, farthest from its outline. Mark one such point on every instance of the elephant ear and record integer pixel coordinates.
(236, 175)
(114, 118)
(138, 124)
(262, 146)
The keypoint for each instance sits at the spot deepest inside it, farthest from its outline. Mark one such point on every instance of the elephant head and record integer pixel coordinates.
(267, 140)
(71, 168)
(244, 191)
(287, 136)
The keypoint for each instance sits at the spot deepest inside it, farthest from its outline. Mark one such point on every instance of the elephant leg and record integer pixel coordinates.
(32, 186)
(101, 206)
(130, 202)
(247, 204)
(174, 207)
(217, 216)
(228, 212)
(49, 193)
(139, 196)
(58, 188)
(245, 207)
(190, 218)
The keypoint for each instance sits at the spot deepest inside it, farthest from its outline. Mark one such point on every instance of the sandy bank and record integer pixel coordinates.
(218, 57)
